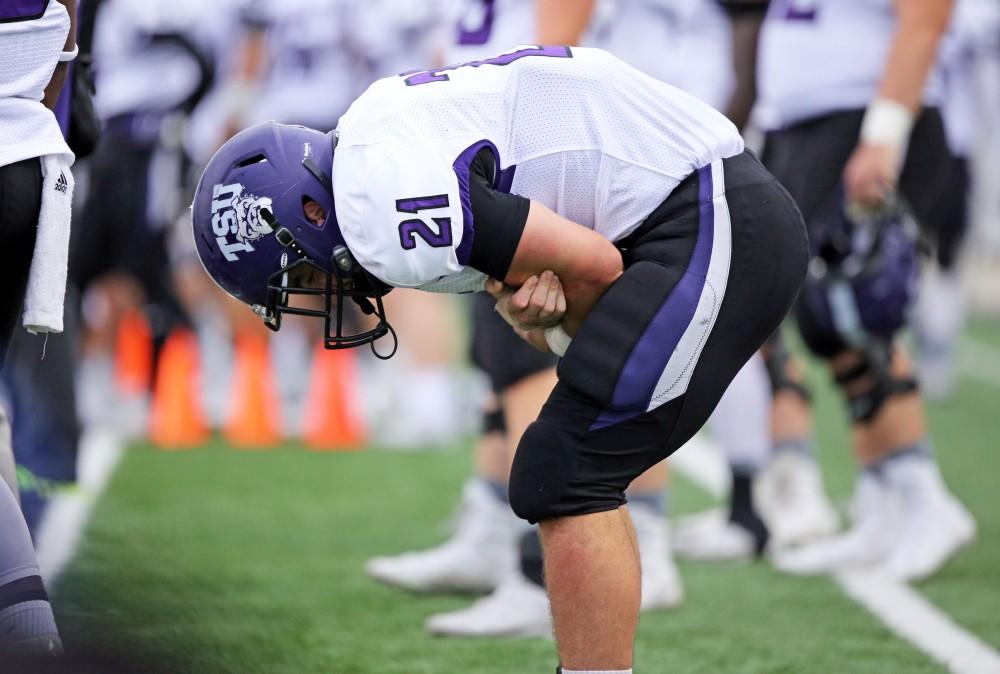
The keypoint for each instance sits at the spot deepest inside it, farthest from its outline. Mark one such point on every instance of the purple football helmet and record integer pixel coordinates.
(863, 274)
(256, 242)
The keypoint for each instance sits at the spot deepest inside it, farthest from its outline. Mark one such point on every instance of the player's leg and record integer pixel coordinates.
(649, 502)
(483, 549)
(601, 427)
(427, 326)
(793, 497)
(26, 622)
(941, 304)
(740, 425)
(889, 433)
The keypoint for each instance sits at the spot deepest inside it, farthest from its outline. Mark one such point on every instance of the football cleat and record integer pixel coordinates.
(866, 544)
(934, 526)
(518, 608)
(794, 503)
(482, 551)
(661, 582)
(709, 536)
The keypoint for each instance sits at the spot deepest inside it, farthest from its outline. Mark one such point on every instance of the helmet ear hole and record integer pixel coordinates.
(252, 159)
(313, 211)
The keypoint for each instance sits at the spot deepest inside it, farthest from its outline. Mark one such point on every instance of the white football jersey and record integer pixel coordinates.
(685, 43)
(576, 129)
(32, 35)
(820, 56)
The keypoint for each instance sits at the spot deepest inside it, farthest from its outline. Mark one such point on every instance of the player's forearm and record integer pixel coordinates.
(745, 36)
(585, 262)
(55, 85)
(920, 25)
(562, 21)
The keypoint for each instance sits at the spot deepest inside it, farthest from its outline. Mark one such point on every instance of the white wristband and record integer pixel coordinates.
(69, 55)
(887, 122)
(558, 340)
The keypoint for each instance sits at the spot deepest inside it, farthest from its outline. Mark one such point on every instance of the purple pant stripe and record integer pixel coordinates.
(656, 345)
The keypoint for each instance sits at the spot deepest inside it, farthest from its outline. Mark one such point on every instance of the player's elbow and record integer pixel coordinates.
(598, 271)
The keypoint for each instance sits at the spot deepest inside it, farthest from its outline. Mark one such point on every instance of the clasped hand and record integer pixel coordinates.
(538, 304)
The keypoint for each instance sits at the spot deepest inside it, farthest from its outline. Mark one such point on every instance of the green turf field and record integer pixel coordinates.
(224, 561)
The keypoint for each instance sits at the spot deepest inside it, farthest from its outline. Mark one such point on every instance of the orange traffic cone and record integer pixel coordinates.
(332, 420)
(253, 419)
(176, 419)
(133, 354)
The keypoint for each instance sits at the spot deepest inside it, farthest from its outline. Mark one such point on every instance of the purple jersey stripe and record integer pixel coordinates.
(22, 10)
(461, 168)
(652, 352)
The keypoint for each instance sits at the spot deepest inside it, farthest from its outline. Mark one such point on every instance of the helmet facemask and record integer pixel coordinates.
(348, 281)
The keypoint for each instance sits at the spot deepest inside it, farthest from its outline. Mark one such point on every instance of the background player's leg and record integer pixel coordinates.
(592, 574)
(26, 622)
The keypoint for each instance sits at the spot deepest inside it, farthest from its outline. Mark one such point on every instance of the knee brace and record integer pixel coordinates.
(776, 361)
(880, 384)
(493, 421)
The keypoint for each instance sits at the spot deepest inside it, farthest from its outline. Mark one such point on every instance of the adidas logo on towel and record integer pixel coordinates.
(62, 184)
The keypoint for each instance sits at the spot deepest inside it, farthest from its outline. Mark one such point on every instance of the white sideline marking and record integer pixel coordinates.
(66, 516)
(905, 612)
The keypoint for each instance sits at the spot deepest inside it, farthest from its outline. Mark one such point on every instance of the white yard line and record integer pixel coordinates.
(900, 608)
(60, 530)
(911, 617)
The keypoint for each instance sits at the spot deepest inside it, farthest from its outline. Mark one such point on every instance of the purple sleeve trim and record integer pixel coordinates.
(461, 168)
(22, 10)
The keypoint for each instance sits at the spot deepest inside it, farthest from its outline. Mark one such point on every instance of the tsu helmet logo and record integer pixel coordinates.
(235, 214)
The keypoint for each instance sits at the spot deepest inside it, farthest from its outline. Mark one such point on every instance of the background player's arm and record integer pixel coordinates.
(874, 167)
(562, 21)
(745, 20)
(585, 263)
(55, 85)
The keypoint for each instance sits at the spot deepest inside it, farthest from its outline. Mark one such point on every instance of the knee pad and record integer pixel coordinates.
(776, 362)
(493, 421)
(880, 384)
(542, 471)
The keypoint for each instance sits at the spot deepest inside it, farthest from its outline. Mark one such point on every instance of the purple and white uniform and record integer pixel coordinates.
(31, 38)
(685, 43)
(576, 129)
(821, 56)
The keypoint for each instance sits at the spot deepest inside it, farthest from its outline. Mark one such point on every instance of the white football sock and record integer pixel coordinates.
(596, 671)
(741, 422)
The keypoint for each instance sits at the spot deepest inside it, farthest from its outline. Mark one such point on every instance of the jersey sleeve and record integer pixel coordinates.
(402, 219)
(420, 217)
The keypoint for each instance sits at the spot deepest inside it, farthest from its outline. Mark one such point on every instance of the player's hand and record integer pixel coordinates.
(539, 303)
(871, 175)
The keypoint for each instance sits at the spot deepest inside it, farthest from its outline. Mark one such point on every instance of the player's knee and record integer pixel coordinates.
(540, 472)
(546, 480)
(868, 382)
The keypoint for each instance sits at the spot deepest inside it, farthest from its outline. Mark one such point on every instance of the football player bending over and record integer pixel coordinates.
(619, 223)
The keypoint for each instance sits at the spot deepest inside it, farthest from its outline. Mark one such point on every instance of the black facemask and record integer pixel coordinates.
(357, 285)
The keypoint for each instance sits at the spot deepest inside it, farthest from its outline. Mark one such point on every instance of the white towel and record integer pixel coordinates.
(46, 293)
